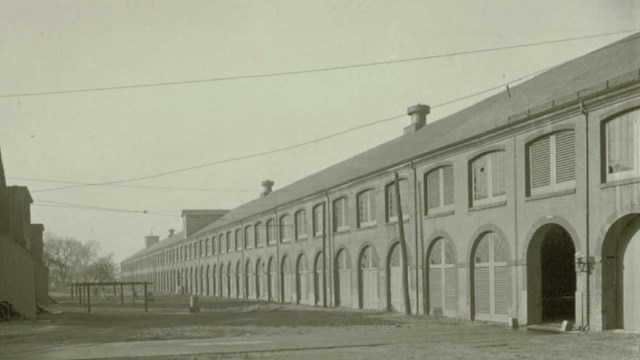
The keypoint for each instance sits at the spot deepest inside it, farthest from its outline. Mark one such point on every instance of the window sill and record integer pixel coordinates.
(551, 194)
(615, 183)
(342, 230)
(438, 214)
(488, 206)
(395, 221)
(369, 225)
(302, 238)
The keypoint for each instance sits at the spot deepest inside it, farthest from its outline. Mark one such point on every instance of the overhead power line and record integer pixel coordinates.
(51, 203)
(314, 70)
(76, 184)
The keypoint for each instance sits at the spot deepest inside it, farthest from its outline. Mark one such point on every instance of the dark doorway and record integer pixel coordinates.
(558, 276)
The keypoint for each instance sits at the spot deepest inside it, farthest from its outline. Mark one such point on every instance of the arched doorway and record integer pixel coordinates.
(551, 275)
(238, 280)
(230, 277)
(260, 281)
(395, 297)
(249, 281)
(621, 275)
(318, 279)
(302, 271)
(207, 282)
(223, 281)
(442, 279)
(271, 280)
(285, 279)
(491, 278)
(343, 278)
(368, 279)
(214, 280)
(201, 279)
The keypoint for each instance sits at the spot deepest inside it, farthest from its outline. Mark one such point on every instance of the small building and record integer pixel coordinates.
(23, 276)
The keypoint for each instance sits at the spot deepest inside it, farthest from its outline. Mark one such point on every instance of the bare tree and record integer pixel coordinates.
(103, 269)
(87, 255)
(60, 256)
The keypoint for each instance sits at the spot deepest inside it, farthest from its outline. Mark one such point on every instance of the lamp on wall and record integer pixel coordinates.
(584, 264)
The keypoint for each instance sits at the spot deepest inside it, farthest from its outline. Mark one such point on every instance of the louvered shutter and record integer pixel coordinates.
(482, 282)
(435, 288)
(480, 176)
(451, 289)
(447, 185)
(502, 290)
(497, 173)
(433, 189)
(540, 163)
(565, 156)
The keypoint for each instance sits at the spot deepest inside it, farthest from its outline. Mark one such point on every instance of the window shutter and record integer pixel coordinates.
(502, 290)
(540, 163)
(497, 173)
(447, 186)
(480, 171)
(482, 286)
(435, 288)
(451, 289)
(565, 157)
(433, 189)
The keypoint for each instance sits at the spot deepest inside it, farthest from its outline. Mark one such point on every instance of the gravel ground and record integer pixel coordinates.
(392, 335)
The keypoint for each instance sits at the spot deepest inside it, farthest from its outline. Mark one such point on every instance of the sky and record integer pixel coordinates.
(100, 136)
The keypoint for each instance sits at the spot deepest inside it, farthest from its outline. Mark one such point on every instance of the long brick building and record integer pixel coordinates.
(523, 206)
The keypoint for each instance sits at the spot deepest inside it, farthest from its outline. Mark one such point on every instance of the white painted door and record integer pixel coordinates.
(370, 288)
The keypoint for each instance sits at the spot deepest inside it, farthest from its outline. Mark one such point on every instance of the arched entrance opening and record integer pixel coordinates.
(342, 278)
(491, 278)
(551, 275)
(207, 282)
(368, 279)
(238, 280)
(249, 281)
(230, 277)
(621, 275)
(318, 280)
(285, 279)
(223, 281)
(302, 270)
(442, 278)
(260, 281)
(271, 280)
(395, 298)
(214, 280)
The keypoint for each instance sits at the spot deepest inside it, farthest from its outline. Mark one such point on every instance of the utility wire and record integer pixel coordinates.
(130, 186)
(314, 70)
(77, 184)
(50, 203)
(244, 157)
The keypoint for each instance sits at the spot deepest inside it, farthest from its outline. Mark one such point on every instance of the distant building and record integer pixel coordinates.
(523, 206)
(23, 276)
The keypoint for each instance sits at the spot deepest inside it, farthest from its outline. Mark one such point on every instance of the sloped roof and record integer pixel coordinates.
(567, 79)
(159, 245)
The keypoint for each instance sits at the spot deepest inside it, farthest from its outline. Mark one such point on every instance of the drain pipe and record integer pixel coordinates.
(326, 227)
(585, 112)
(417, 220)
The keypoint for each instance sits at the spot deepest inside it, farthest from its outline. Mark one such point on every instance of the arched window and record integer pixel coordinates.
(259, 231)
(622, 137)
(229, 247)
(340, 215)
(318, 220)
(551, 163)
(392, 206)
(248, 240)
(366, 208)
(487, 178)
(269, 231)
(286, 228)
(492, 278)
(237, 239)
(301, 224)
(214, 249)
(438, 189)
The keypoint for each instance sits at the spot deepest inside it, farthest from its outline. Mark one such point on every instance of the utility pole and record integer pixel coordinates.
(403, 248)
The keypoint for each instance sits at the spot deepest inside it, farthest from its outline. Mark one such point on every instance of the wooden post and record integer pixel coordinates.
(80, 293)
(403, 248)
(89, 299)
(121, 294)
(145, 298)
(71, 287)
(114, 290)
(133, 293)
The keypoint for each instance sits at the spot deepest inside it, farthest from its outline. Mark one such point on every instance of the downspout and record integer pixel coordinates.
(277, 262)
(585, 112)
(417, 220)
(515, 214)
(326, 227)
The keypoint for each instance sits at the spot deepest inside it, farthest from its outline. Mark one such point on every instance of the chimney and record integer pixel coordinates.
(171, 231)
(418, 115)
(151, 239)
(267, 186)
